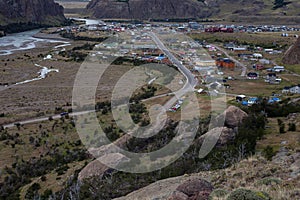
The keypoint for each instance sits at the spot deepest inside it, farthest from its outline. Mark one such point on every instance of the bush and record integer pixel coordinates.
(292, 127)
(47, 194)
(245, 194)
(268, 152)
(282, 128)
(32, 191)
(218, 193)
(269, 181)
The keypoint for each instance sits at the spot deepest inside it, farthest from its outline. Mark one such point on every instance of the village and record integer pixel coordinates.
(223, 66)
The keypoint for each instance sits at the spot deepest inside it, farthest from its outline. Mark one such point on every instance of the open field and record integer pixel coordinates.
(268, 39)
(275, 139)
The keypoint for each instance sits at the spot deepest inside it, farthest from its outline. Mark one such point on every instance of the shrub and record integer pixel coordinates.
(218, 193)
(269, 181)
(245, 194)
(268, 152)
(292, 127)
(281, 128)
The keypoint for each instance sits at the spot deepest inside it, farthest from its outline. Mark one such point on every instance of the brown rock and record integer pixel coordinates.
(223, 135)
(231, 117)
(178, 196)
(292, 56)
(196, 189)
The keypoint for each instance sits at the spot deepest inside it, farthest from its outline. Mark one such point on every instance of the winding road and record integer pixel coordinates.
(189, 86)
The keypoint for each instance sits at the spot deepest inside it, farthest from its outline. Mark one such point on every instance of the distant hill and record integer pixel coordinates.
(259, 11)
(145, 9)
(18, 15)
(228, 10)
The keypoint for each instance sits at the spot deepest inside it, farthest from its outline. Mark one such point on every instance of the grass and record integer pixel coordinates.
(293, 68)
(258, 39)
(274, 138)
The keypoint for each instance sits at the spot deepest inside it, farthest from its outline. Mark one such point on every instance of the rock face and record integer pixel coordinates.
(292, 56)
(154, 9)
(16, 14)
(233, 116)
(196, 189)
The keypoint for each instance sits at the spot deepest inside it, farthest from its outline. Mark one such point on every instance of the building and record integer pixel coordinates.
(278, 68)
(240, 98)
(252, 75)
(292, 89)
(252, 100)
(225, 63)
(194, 25)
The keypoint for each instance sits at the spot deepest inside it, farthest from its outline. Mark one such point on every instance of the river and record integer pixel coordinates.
(22, 41)
(26, 40)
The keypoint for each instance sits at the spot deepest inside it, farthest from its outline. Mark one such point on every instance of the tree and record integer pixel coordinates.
(292, 127)
(268, 152)
(280, 3)
(281, 128)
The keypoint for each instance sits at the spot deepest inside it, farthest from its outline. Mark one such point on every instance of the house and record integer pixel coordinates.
(252, 76)
(257, 55)
(295, 89)
(264, 61)
(240, 98)
(286, 90)
(258, 67)
(215, 85)
(278, 68)
(292, 89)
(194, 25)
(229, 46)
(240, 49)
(252, 100)
(271, 78)
(225, 62)
(274, 100)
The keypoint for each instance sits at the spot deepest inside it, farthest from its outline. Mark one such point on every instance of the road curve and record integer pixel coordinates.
(189, 86)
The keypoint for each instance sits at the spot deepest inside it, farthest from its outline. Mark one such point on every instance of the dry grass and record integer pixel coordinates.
(259, 39)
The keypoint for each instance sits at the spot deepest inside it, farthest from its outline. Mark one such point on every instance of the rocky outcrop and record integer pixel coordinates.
(222, 135)
(292, 56)
(196, 189)
(154, 9)
(18, 15)
(232, 116)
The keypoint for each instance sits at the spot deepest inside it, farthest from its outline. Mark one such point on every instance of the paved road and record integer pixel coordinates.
(244, 68)
(29, 121)
(191, 79)
(189, 86)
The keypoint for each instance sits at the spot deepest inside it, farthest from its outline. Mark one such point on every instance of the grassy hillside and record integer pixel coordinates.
(258, 11)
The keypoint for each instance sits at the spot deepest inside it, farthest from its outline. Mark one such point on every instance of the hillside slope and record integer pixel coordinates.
(16, 15)
(227, 10)
(273, 178)
(259, 12)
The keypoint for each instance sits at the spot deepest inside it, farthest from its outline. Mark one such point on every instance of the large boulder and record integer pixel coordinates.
(195, 189)
(232, 117)
(223, 135)
(292, 55)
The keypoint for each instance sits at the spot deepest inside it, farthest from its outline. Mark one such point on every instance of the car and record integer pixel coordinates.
(64, 114)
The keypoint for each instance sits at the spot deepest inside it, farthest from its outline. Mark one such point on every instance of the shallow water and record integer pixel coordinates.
(22, 41)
